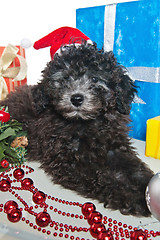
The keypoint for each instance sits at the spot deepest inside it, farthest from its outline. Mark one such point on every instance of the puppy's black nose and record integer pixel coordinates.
(77, 99)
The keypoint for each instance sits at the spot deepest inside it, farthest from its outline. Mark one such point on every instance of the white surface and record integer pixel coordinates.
(21, 231)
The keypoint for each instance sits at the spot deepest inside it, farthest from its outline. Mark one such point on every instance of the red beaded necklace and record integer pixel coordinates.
(101, 227)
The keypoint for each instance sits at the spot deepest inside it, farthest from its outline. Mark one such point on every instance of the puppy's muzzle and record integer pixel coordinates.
(77, 99)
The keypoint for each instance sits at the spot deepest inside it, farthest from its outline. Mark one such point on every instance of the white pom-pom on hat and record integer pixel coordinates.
(26, 43)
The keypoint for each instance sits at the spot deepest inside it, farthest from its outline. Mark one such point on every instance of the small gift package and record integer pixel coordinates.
(153, 138)
(13, 69)
(131, 30)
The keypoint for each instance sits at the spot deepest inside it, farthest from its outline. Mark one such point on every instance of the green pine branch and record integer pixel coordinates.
(8, 132)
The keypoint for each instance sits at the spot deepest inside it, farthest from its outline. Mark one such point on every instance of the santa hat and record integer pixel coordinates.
(60, 37)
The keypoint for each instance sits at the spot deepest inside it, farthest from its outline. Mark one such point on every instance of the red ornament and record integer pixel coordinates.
(43, 219)
(4, 116)
(96, 229)
(4, 163)
(138, 235)
(88, 208)
(10, 205)
(18, 173)
(107, 235)
(4, 185)
(27, 183)
(14, 215)
(39, 197)
(94, 217)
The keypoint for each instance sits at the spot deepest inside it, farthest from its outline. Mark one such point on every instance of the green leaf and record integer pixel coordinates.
(7, 133)
(7, 152)
(2, 155)
(11, 153)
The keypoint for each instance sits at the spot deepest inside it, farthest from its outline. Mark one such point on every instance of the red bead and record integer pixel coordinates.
(138, 235)
(4, 163)
(27, 183)
(88, 208)
(10, 205)
(14, 215)
(39, 197)
(94, 217)
(107, 235)
(4, 185)
(4, 116)
(18, 173)
(96, 229)
(43, 219)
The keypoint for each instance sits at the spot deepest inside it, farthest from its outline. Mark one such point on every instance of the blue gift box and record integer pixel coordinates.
(131, 31)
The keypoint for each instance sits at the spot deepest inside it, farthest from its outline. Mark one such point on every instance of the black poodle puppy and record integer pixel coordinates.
(76, 119)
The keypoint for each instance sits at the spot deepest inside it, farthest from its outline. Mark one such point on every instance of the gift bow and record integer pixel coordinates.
(16, 73)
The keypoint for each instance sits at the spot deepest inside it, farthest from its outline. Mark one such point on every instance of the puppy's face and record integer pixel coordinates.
(83, 83)
(79, 97)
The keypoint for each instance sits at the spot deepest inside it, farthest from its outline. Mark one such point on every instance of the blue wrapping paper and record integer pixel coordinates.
(136, 45)
(93, 26)
(140, 113)
(137, 33)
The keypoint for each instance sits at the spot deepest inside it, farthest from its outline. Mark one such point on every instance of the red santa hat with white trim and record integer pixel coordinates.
(61, 37)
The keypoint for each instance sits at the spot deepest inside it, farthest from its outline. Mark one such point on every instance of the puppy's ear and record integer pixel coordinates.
(40, 99)
(125, 91)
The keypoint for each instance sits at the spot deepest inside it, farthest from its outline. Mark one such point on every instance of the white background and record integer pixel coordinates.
(34, 19)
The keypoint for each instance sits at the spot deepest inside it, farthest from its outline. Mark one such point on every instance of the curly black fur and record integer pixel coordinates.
(84, 146)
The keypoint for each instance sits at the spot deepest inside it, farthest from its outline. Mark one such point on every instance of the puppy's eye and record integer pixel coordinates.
(94, 79)
(66, 77)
